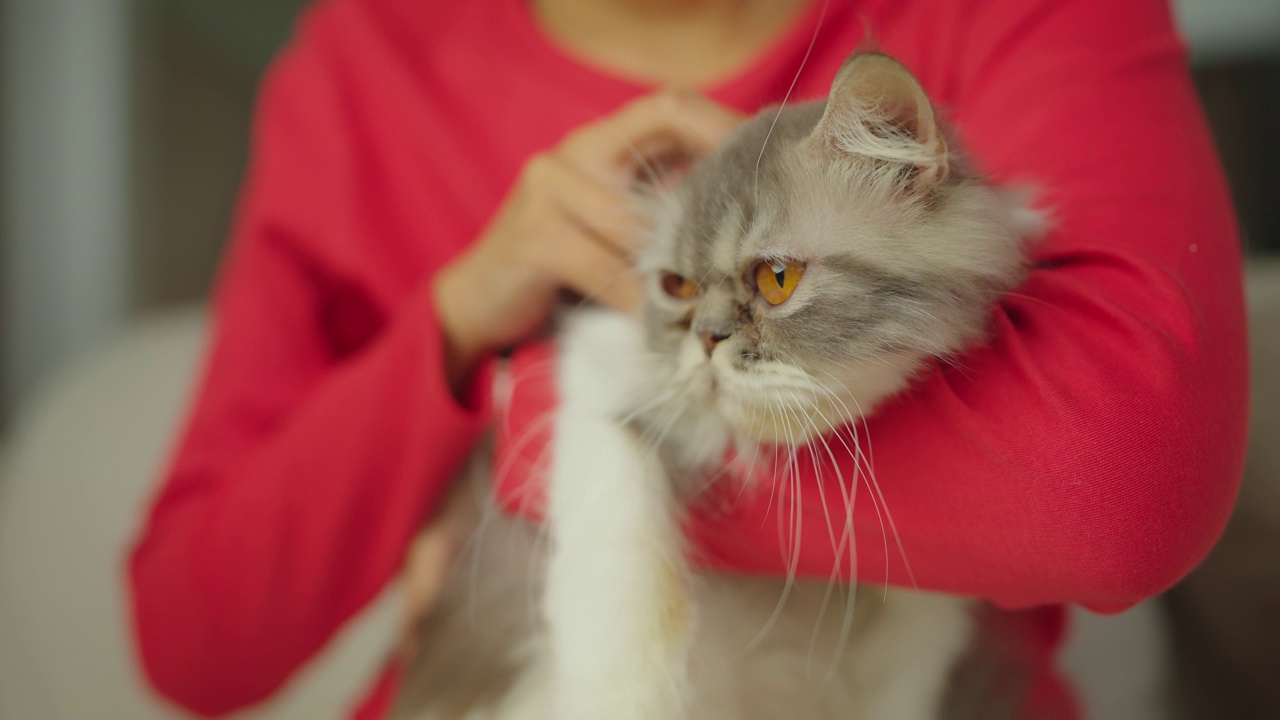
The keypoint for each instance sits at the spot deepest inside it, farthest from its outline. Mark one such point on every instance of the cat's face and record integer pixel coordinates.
(792, 288)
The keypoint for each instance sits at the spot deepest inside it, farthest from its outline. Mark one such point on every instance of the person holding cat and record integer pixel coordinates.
(428, 177)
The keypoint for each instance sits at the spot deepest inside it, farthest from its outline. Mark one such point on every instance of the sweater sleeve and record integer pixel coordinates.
(322, 435)
(1091, 451)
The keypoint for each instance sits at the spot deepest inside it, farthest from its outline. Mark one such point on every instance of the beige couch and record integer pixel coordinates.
(77, 474)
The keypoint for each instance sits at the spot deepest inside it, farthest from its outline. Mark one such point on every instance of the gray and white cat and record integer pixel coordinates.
(797, 277)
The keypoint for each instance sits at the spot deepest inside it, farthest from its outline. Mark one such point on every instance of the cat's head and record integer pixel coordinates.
(802, 273)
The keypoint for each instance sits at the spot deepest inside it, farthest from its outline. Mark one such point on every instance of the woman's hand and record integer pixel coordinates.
(568, 223)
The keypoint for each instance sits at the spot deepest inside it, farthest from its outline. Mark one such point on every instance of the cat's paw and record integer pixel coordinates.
(634, 671)
(637, 667)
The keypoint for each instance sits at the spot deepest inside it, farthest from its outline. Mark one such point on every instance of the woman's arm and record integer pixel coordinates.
(354, 306)
(323, 435)
(1090, 452)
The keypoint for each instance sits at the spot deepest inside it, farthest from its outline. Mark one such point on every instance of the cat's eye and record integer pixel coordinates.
(678, 286)
(777, 279)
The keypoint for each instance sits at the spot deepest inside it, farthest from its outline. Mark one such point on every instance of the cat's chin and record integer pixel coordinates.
(780, 425)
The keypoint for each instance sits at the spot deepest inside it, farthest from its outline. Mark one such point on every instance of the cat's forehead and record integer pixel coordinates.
(736, 203)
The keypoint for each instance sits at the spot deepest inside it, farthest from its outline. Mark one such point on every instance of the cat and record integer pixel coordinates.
(797, 277)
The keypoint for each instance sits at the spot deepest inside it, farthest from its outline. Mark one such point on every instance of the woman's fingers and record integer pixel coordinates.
(667, 122)
(603, 211)
(590, 267)
(590, 244)
(569, 222)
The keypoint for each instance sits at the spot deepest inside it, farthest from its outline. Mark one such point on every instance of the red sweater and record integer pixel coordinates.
(1088, 454)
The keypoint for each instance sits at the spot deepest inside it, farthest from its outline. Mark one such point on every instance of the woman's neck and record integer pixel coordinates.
(666, 42)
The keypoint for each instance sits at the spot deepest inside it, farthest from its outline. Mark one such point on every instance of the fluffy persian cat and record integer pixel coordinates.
(797, 277)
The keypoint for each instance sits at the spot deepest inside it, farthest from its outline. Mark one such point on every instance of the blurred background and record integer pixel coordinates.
(125, 126)
(123, 131)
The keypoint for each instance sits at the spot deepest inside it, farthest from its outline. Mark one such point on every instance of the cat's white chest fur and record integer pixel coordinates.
(634, 634)
(618, 608)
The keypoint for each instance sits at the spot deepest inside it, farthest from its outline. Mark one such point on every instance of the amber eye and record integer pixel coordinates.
(777, 279)
(677, 286)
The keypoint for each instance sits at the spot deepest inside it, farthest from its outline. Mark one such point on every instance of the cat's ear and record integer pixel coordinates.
(878, 110)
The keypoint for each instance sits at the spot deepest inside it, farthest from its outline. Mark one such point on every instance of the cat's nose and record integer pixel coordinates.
(710, 340)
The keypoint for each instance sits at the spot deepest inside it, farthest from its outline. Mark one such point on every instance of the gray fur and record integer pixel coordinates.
(480, 637)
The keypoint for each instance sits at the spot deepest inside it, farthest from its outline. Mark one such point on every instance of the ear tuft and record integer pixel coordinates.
(878, 110)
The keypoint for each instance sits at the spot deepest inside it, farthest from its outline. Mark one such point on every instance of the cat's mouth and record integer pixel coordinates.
(769, 403)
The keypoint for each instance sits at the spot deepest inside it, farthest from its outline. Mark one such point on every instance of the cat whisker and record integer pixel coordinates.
(755, 455)
(475, 543)
(847, 536)
(773, 485)
(837, 548)
(803, 61)
(826, 512)
(792, 487)
(893, 527)
(707, 484)
(663, 430)
(660, 399)
(644, 163)
(1028, 298)
(878, 501)
(541, 541)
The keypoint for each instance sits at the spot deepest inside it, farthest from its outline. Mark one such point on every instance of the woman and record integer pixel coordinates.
(428, 176)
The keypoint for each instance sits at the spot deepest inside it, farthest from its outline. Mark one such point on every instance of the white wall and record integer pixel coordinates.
(66, 205)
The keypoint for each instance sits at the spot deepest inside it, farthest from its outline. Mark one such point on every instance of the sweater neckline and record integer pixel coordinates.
(741, 87)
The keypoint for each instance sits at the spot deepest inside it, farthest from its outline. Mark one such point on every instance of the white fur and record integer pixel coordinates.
(625, 623)
(617, 606)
